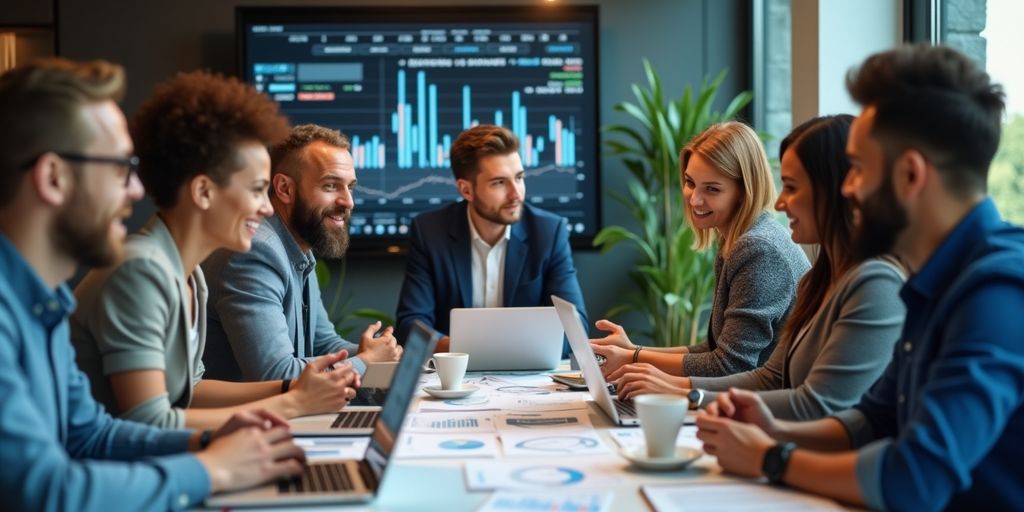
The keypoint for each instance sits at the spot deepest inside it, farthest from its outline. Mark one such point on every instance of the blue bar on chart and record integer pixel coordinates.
(420, 143)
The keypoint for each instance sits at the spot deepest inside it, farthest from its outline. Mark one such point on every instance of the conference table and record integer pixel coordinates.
(524, 442)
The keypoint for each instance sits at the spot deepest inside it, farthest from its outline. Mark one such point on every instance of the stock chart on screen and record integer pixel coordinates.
(402, 83)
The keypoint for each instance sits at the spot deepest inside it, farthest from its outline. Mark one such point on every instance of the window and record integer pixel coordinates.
(989, 31)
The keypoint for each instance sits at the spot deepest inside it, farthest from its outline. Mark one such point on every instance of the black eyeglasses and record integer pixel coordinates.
(131, 163)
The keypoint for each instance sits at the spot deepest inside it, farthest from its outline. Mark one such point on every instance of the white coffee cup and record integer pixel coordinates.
(451, 368)
(661, 416)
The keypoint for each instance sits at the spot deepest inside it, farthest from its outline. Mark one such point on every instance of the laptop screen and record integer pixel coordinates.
(418, 347)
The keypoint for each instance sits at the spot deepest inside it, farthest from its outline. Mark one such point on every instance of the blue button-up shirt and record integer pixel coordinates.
(57, 444)
(944, 426)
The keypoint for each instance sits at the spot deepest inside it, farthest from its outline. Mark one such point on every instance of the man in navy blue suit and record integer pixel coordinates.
(490, 250)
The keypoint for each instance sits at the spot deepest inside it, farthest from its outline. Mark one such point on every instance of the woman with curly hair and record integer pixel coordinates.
(141, 325)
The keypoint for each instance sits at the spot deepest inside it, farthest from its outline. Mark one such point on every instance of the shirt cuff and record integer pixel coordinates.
(857, 427)
(118, 362)
(191, 482)
(869, 473)
(358, 364)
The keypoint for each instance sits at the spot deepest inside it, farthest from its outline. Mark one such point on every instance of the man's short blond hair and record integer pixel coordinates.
(41, 110)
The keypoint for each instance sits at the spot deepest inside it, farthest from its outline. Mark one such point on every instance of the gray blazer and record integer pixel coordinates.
(267, 319)
(837, 355)
(755, 287)
(132, 316)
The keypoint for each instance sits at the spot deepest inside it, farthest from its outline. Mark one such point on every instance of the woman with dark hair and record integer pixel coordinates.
(848, 314)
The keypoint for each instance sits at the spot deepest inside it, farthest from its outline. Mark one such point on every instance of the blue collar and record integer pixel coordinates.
(301, 261)
(49, 306)
(947, 261)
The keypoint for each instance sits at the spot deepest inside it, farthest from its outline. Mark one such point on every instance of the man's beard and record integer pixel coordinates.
(84, 236)
(308, 223)
(882, 219)
(495, 215)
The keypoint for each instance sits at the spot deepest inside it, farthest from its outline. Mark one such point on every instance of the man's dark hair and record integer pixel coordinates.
(193, 125)
(41, 111)
(937, 101)
(286, 156)
(475, 144)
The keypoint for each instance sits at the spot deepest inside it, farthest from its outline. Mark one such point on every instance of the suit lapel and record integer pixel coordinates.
(458, 229)
(515, 260)
(172, 262)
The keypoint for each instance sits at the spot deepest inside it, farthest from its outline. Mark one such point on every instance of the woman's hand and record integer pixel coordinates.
(642, 378)
(616, 336)
(615, 357)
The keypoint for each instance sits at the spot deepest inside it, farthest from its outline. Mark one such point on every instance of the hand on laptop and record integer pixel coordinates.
(251, 456)
(615, 357)
(617, 336)
(636, 379)
(379, 349)
(321, 389)
(260, 418)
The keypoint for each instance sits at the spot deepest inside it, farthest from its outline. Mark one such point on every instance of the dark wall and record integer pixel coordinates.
(685, 39)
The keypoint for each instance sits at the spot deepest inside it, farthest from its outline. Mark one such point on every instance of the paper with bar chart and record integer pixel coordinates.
(449, 423)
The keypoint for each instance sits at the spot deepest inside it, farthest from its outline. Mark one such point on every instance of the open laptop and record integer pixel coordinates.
(375, 383)
(343, 481)
(619, 411)
(360, 421)
(502, 339)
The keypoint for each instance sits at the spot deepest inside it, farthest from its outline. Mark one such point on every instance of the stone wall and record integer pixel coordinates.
(962, 23)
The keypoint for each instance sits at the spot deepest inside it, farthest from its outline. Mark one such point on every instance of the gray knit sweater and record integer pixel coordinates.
(755, 288)
(839, 353)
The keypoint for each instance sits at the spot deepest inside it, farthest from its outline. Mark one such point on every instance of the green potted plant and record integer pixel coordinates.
(339, 307)
(673, 283)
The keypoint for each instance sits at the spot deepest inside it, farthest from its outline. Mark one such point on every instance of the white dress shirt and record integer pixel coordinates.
(488, 265)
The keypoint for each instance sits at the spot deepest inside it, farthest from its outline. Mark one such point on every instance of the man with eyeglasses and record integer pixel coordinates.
(67, 182)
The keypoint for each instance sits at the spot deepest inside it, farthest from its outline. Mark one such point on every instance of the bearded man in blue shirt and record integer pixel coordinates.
(943, 427)
(67, 181)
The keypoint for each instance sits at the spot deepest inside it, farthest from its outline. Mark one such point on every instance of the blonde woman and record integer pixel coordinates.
(728, 195)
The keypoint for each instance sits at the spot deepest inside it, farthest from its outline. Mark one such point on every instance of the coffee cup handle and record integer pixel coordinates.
(430, 366)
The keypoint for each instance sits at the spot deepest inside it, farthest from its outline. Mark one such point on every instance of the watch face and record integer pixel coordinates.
(695, 396)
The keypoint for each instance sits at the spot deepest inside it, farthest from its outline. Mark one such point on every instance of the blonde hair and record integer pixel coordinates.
(734, 150)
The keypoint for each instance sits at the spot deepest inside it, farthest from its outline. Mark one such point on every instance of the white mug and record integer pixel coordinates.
(661, 416)
(451, 368)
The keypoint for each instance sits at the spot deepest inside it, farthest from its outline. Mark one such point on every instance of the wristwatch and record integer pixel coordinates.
(696, 397)
(776, 459)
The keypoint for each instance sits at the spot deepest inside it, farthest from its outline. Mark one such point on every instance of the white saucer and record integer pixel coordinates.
(437, 392)
(638, 456)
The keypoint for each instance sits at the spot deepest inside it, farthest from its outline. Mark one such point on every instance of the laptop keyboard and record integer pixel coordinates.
(625, 408)
(317, 479)
(355, 419)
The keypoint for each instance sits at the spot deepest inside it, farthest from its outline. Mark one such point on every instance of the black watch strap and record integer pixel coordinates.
(776, 460)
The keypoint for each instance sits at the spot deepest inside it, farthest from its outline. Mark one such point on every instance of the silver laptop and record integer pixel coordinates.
(501, 339)
(343, 481)
(619, 411)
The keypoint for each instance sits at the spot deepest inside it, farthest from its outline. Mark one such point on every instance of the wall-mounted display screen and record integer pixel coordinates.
(403, 82)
